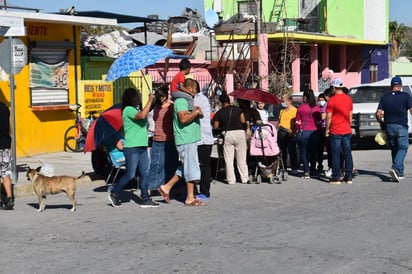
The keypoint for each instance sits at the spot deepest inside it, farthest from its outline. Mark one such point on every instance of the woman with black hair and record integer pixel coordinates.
(164, 158)
(135, 147)
(308, 124)
(231, 120)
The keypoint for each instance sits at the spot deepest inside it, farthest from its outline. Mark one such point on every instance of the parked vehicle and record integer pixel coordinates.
(366, 98)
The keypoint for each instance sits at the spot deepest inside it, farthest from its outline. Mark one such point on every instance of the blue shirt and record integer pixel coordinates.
(395, 106)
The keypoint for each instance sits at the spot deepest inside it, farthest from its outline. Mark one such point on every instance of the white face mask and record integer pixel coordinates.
(284, 105)
(321, 103)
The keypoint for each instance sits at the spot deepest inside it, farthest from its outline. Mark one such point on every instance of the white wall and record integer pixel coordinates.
(375, 20)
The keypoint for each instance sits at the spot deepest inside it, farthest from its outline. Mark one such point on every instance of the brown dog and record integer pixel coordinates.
(43, 185)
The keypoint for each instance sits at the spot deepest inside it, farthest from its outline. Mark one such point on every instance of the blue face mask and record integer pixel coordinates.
(284, 105)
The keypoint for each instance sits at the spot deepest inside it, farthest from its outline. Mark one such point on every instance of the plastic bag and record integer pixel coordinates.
(381, 138)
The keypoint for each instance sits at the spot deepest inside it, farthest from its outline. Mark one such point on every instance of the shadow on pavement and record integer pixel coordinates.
(65, 206)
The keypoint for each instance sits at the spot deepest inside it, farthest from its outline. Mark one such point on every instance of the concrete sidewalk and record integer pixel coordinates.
(64, 163)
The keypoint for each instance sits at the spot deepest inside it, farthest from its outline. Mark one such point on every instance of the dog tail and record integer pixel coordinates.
(82, 175)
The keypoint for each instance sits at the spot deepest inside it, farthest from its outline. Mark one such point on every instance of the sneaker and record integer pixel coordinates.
(114, 199)
(294, 172)
(306, 175)
(149, 203)
(329, 173)
(9, 205)
(201, 197)
(347, 180)
(401, 177)
(394, 176)
(333, 181)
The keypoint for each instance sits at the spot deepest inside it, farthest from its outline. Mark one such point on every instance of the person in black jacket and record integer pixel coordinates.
(231, 120)
(252, 118)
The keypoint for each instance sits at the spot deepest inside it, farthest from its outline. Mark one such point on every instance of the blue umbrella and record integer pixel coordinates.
(138, 58)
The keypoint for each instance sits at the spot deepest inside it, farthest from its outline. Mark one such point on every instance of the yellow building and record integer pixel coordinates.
(47, 86)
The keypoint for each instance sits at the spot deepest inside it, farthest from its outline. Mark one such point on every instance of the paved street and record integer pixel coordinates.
(300, 226)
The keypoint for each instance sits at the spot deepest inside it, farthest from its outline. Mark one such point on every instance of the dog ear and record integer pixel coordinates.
(38, 169)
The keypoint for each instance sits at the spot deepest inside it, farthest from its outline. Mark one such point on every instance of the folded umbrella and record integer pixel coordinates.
(109, 123)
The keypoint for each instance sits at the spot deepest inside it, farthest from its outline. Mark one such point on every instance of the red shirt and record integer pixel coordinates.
(163, 117)
(340, 105)
(177, 81)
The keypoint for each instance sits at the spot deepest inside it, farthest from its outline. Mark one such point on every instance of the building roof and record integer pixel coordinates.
(59, 18)
(121, 18)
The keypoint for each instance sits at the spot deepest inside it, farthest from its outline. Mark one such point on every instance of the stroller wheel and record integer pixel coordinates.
(258, 179)
(274, 180)
(285, 176)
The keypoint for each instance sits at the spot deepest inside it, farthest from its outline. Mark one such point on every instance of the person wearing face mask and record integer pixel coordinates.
(324, 141)
(287, 145)
(308, 121)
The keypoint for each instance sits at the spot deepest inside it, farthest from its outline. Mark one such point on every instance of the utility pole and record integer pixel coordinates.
(258, 32)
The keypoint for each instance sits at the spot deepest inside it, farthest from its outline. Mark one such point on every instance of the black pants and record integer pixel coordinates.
(204, 152)
(288, 147)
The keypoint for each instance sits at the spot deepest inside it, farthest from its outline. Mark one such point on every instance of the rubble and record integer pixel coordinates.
(185, 27)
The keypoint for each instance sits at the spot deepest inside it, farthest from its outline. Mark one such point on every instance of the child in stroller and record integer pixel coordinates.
(264, 146)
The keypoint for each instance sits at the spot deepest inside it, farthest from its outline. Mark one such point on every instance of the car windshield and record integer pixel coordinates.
(372, 94)
(368, 94)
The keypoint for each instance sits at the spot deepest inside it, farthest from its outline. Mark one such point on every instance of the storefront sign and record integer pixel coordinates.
(98, 96)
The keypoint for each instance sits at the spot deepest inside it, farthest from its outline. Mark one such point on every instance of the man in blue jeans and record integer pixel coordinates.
(392, 115)
(339, 131)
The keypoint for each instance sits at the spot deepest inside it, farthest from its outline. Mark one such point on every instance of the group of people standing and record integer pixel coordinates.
(177, 145)
(183, 140)
(316, 126)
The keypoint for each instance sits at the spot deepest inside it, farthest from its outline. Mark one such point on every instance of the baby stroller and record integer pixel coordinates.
(264, 146)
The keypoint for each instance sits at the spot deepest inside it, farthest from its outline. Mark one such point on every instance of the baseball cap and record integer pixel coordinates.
(396, 81)
(336, 82)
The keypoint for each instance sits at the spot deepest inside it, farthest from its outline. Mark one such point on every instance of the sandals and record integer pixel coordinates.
(195, 203)
(165, 195)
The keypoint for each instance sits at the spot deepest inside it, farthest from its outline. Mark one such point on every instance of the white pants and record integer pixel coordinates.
(235, 146)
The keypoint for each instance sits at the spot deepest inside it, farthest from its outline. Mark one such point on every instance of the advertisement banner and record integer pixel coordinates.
(97, 96)
(49, 76)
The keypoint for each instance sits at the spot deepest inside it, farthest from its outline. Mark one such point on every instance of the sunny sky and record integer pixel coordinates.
(400, 10)
(164, 8)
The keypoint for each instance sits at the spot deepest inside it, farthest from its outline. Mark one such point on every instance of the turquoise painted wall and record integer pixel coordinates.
(345, 18)
(229, 9)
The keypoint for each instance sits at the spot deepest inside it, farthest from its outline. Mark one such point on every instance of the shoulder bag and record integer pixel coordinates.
(298, 134)
(283, 132)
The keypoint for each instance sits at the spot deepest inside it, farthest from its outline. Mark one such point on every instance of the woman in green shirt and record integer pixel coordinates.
(135, 147)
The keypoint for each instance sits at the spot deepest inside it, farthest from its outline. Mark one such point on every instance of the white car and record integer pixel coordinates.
(365, 99)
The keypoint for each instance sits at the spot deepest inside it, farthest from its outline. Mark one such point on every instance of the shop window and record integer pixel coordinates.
(247, 10)
(373, 69)
(49, 74)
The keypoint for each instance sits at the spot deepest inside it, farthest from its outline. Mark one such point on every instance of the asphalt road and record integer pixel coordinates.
(300, 226)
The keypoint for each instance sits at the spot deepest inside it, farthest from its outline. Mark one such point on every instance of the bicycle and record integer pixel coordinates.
(75, 135)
